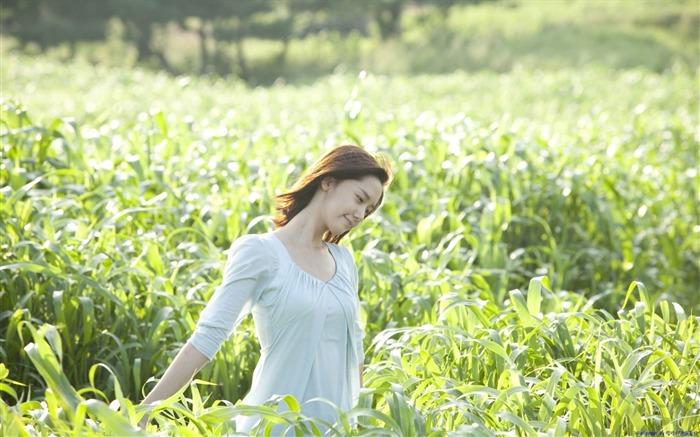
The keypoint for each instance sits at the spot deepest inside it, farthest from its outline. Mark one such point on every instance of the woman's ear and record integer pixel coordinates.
(327, 183)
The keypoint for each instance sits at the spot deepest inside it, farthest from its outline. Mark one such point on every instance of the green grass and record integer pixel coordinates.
(534, 367)
(533, 270)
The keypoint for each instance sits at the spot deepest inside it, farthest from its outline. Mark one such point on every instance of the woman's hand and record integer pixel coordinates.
(183, 368)
(143, 423)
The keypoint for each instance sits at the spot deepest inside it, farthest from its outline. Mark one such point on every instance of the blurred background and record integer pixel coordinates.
(530, 139)
(262, 42)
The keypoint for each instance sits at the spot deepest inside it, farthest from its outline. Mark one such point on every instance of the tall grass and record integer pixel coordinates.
(115, 223)
(543, 365)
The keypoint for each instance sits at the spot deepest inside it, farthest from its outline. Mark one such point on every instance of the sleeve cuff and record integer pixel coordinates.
(207, 340)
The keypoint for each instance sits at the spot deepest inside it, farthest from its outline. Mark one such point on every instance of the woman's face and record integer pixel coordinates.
(347, 202)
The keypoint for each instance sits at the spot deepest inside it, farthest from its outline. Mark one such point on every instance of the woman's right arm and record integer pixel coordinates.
(248, 268)
(183, 368)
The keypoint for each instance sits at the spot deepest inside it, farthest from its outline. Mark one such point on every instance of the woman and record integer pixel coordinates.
(302, 290)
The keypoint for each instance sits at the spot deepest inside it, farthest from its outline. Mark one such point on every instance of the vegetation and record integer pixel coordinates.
(534, 270)
(262, 42)
(220, 28)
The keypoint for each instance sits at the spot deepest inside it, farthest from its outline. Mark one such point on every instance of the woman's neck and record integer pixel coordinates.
(304, 230)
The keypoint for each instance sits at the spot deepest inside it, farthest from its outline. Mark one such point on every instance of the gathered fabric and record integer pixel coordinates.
(309, 330)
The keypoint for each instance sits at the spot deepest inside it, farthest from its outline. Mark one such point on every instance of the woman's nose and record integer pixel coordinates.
(359, 213)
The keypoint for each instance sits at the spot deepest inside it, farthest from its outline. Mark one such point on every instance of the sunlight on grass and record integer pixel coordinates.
(532, 272)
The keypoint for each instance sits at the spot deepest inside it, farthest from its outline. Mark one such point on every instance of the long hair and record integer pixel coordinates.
(340, 163)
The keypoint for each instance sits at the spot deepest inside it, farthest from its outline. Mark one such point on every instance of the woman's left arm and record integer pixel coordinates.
(359, 331)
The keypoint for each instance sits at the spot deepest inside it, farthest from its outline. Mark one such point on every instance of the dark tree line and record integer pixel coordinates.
(217, 23)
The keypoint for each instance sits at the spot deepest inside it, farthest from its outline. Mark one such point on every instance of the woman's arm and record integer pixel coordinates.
(185, 365)
(248, 269)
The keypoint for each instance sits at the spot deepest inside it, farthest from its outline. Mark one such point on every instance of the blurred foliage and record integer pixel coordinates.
(217, 23)
(262, 41)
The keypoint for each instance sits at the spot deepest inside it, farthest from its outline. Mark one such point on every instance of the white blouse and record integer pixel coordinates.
(309, 330)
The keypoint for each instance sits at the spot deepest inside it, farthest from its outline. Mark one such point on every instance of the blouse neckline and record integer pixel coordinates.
(298, 267)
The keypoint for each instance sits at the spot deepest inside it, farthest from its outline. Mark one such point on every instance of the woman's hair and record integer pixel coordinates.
(340, 163)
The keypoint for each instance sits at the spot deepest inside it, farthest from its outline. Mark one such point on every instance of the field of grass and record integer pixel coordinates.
(534, 270)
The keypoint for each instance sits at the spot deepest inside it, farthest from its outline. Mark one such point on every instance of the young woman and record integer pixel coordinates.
(302, 290)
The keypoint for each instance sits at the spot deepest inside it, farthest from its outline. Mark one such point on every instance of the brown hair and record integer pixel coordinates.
(342, 162)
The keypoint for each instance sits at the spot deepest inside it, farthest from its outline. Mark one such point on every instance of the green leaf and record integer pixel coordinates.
(520, 306)
(534, 294)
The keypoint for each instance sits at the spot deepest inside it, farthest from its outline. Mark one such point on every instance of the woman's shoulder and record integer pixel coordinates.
(344, 252)
(253, 256)
(254, 245)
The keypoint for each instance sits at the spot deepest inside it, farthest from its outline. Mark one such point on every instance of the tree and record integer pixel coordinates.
(140, 18)
(52, 23)
(387, 15)
(236, 25)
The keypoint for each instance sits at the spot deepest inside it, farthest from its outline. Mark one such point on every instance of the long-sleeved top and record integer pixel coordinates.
(309, 330)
